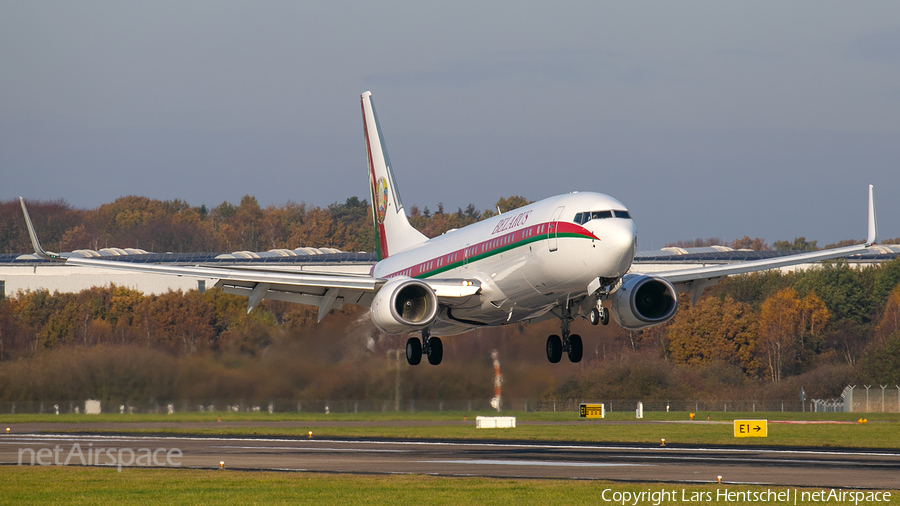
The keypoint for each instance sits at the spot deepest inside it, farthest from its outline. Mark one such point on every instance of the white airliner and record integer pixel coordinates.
(563, 257)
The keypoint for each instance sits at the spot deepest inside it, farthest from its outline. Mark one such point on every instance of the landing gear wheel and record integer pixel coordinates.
(594, 316)
(554, 349)
(435, 350)
(413, 351)
(576, 350)
(604, 316)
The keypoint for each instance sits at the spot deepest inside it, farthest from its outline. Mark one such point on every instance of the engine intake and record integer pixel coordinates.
(403, 305)
(644, 301)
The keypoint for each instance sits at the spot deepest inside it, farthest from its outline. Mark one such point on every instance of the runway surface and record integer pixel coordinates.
(832, 468)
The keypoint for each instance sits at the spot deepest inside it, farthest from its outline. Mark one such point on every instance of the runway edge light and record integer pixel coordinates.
(221, 464)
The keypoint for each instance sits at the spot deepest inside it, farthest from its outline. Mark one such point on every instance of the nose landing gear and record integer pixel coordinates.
(599, 315)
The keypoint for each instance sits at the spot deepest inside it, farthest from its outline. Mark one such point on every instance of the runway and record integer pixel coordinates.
(831, 468)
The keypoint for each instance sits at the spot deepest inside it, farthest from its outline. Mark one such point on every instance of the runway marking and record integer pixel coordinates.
(474, 443)
(304, 449)
(541, 463)
(19, 440)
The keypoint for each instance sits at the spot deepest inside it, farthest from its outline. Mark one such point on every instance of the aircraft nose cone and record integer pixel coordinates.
(621, 243)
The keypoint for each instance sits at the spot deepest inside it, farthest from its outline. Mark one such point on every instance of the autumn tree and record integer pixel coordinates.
(53, 218)
(842, 243)
(715, 330)
(788, 324)
(755, 244)
(696, 243)
(890, 318)
(778, 330)
(352, 225)
(880, 362)
(181, 322)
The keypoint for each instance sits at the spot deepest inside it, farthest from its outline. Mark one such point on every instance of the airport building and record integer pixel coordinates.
(29, 272)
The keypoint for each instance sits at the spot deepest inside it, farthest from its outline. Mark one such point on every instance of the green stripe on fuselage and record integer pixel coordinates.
(497, 251)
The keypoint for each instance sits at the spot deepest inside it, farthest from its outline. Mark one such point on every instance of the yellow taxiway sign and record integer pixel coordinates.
(751, 428)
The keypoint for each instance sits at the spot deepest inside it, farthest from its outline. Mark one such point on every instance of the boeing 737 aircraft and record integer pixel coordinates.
(563, 257)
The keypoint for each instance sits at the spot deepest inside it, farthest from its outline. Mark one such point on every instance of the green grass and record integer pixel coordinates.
(873, 435)
(148, 487)
(882, 431)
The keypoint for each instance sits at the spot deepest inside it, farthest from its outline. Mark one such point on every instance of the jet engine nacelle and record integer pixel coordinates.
(643, 301)
(404, 305)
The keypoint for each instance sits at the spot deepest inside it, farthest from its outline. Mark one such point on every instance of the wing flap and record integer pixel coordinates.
(241, 275)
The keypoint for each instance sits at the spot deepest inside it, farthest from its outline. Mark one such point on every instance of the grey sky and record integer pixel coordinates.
(705, 118)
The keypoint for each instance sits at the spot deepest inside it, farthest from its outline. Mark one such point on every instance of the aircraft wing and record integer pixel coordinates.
(326, 290)
(698, 278)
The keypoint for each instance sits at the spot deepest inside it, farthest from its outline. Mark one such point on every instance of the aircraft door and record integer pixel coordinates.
(552, 229)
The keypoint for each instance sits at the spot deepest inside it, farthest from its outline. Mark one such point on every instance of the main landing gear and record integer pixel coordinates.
(432, 346)
(570, 343)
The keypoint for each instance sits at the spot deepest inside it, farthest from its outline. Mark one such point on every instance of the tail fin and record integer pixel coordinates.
(393, 233)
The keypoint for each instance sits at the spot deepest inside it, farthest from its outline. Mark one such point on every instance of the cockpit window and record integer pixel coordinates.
(584, 217)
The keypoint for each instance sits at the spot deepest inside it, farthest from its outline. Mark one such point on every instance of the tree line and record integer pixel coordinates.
(759, 244)
(175, 226)
(764, 332)
(761, 332)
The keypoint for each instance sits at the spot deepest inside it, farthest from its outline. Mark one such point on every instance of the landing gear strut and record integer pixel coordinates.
(570, 343)
(432, 347)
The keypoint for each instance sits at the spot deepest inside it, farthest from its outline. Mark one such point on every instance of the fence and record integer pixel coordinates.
(440, 405)
(871, 399)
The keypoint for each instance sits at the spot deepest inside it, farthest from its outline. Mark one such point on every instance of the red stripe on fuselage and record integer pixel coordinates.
(525, 235)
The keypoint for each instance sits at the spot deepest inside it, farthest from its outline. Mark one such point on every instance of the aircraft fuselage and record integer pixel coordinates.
(528, 260)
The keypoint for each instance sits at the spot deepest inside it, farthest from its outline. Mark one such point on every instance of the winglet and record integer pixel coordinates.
(35, 243)
(873, 228)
